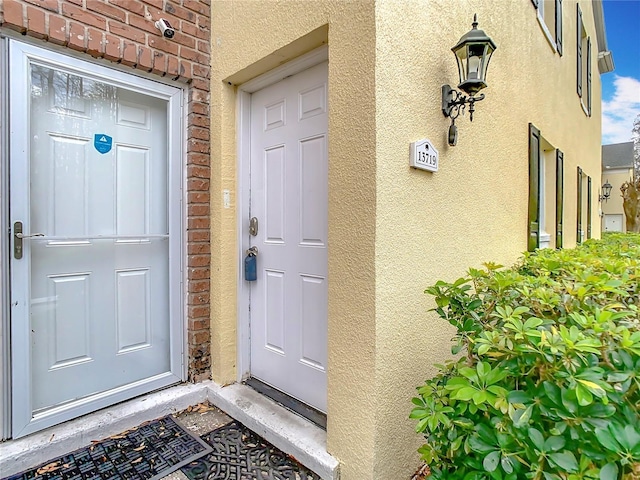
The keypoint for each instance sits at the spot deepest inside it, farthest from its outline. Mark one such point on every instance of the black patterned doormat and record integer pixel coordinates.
(148, 452)
(240, 454)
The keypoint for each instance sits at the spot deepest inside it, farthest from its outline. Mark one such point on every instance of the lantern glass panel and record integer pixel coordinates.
(461, 57)
(474, 71)
(485, 64)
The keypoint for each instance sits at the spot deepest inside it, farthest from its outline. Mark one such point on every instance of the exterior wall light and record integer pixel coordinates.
(606, 192)
(473, 53)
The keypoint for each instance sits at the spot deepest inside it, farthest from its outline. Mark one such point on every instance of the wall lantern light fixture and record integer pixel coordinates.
(473, 53)
(606, 192)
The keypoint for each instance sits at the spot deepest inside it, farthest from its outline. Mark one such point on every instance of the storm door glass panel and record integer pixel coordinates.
(99, 265)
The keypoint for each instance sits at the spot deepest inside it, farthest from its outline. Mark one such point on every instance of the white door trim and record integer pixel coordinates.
(20, 54)
(243, 128)
(5, 394)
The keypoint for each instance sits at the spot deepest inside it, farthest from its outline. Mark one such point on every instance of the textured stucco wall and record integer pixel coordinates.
(614, 205)
(434, 226)
(615, 179)
(247, 33)
(393, 231)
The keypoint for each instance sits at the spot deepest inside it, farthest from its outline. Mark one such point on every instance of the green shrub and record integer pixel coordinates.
(547, 383)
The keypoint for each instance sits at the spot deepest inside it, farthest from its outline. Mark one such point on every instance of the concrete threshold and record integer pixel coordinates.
(286, 430)
(289, 432)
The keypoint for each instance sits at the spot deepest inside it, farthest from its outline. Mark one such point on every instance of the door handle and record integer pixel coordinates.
(18, 236)
(21, 236)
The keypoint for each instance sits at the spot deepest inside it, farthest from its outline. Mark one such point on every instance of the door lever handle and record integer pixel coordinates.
(21, 236)
(18, 236)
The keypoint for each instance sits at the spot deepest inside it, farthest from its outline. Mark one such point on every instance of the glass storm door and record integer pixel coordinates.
(95, 302)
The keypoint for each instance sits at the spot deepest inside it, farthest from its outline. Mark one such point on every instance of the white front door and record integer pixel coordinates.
(289, 175)
(95, 300)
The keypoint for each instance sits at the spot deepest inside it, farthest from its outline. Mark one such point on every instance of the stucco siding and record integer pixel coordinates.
(614, 204)
(433, 226)
(393, 230)
(251, 38)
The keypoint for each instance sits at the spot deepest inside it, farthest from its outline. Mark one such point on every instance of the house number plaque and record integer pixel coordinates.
(424, 156)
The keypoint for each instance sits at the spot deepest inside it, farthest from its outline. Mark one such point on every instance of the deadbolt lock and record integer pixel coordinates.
(253, 226)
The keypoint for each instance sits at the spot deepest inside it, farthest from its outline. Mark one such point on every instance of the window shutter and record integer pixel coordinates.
(533, 231)
(589, 75)
(535, 3)
(579, 52)
(579, 209)
(559, 196)
(559, 26)
(588, 208)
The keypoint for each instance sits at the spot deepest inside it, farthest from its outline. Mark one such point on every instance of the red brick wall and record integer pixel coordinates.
(123, 31)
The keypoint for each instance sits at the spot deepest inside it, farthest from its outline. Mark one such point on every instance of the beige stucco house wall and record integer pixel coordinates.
(393, 230)
(617, 168)
(613, 206)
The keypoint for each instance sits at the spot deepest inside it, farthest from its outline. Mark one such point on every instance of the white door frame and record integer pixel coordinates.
(20, 54)
(243, 128)
(5, 397)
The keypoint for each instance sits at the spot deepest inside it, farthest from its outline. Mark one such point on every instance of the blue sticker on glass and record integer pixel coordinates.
(102, 142)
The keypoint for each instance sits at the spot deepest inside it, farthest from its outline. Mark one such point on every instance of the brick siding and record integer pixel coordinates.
(123, 31)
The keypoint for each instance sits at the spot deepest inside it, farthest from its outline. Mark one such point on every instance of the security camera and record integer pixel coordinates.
(165, 27)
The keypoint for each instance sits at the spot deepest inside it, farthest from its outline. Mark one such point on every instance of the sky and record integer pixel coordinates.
(621, 88)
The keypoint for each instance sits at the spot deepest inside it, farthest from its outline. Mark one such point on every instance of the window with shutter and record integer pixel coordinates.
(584, 65)
(579, 48)
(559, 197)
(579, 209)
(559, 26)
(543, 192)
(588, 76)
(534, 189)
(550, 19)
(588, 208)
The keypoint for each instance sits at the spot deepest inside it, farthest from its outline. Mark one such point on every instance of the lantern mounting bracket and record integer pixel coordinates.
(454, 103)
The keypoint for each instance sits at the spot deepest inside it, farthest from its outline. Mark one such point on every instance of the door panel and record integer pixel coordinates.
(289, 174)
(94, 293)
